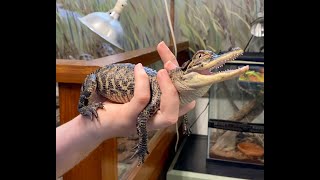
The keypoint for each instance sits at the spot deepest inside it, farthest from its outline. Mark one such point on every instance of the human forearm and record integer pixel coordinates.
(74, 141)
(81, 135)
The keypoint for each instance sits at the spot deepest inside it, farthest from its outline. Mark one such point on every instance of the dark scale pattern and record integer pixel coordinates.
(86, 106)
(143, 117)
(116, 83)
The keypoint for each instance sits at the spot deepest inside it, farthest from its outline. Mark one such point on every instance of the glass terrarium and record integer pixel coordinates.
(236, 117)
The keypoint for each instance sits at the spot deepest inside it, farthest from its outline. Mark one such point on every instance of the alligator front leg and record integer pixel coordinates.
(85, 106)
(142, 146)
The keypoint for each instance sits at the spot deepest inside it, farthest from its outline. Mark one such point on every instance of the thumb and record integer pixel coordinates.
(141, 91)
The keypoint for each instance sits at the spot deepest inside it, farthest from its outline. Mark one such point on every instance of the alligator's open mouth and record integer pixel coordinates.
(226, 71)
(208, 72)
(218, 61)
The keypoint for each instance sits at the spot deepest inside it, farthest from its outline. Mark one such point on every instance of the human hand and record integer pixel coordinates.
(170, 110)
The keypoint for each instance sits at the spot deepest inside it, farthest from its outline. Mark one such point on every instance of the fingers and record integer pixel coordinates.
(187, 108)
(160, 120)
(165, 54)
(141, 91)
(169, 103)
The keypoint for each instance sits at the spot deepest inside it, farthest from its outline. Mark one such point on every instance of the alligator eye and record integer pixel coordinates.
(199, 56)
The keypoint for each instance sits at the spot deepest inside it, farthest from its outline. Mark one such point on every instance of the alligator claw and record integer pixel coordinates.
(91, 110)
(140, 152)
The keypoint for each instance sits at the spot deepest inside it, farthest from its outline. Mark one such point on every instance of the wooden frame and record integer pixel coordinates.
(102, 162)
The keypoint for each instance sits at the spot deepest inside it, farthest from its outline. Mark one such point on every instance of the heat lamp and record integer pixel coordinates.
(257, 28)
(106, 24)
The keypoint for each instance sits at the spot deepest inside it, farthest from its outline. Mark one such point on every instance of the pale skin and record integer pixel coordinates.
(80, 136)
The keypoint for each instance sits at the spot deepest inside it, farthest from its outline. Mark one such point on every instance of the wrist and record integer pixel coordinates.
(90, 128)
(114, 121)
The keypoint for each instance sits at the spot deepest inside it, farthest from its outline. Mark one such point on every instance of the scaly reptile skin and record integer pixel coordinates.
(116, 83)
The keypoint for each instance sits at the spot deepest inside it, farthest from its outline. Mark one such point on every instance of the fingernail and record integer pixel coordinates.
(162, 73)
(170, 65)
(139, 66)
(162, 43)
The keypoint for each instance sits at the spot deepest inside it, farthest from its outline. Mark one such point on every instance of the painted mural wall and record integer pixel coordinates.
(207, 24)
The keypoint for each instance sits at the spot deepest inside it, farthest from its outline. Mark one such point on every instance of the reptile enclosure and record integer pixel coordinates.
(102, 163)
